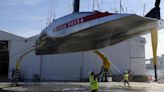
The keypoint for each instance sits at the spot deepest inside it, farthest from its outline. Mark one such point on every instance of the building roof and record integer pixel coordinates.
(33, 37)
(8, 36)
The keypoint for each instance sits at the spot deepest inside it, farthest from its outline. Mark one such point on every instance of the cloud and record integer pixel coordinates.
(26, 32)
(22, 31)
(37, 18)
(148, 45)
(29, 2)
(18, 2)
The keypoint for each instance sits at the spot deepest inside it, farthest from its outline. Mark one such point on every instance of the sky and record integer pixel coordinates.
(27, 18)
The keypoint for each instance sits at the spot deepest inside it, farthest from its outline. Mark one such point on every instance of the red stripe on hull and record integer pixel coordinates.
(81, 20)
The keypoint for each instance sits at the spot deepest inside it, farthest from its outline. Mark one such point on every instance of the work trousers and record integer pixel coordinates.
(94, 90)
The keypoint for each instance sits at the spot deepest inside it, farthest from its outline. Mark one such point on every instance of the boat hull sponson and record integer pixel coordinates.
(97, 33)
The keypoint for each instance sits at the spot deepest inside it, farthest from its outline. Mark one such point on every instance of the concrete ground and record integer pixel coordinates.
(81, 87)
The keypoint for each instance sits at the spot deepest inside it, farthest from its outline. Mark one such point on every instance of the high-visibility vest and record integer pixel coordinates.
(93, 83)
(126, 77)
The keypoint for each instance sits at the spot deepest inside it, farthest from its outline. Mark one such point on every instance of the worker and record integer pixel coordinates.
(94, 85)
(105, 75)
(126, 78)
(13, 73)
(16, 77)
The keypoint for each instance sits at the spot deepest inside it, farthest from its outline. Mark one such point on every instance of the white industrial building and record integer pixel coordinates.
(127, 55)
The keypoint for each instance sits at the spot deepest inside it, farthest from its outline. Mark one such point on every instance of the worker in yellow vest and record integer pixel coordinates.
(126, 78)
(94, 84)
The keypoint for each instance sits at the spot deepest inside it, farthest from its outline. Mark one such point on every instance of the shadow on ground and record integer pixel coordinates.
(74, 87)
(1, 90)
(63, 87)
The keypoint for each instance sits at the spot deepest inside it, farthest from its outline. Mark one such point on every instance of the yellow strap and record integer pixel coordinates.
(154, 37)
(18, 62)
(106, 62)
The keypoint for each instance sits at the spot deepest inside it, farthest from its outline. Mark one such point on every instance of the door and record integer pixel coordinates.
(4, 60)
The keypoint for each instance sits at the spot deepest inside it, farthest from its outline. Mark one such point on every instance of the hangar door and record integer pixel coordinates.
(4, 59)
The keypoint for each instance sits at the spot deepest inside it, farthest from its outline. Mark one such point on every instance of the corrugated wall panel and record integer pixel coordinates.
(62, 67)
